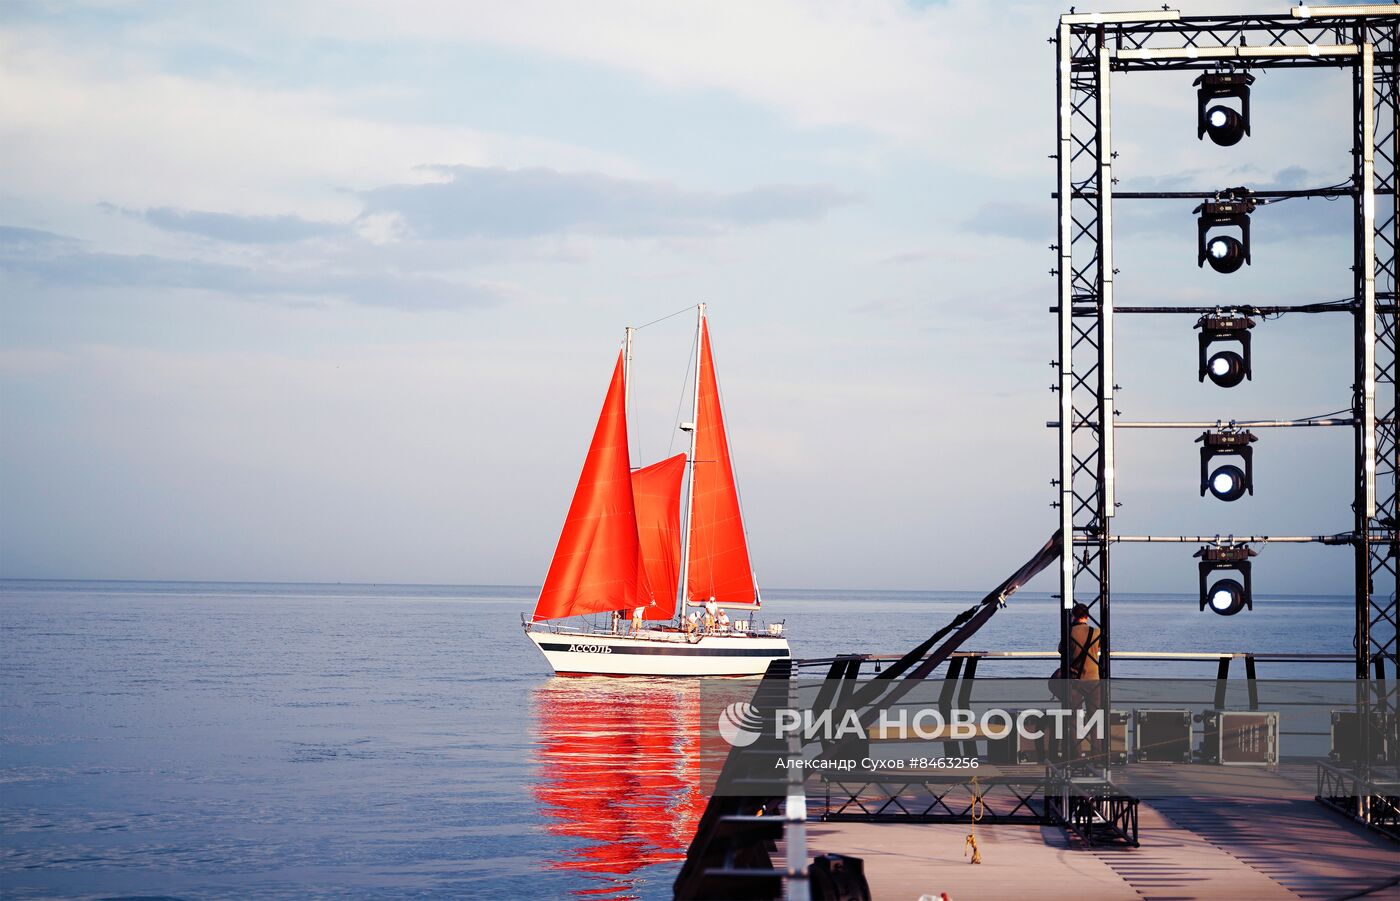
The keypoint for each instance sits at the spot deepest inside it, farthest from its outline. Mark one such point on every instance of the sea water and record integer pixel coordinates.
(211, 740)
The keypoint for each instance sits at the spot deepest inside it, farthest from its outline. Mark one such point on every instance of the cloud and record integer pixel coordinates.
(233, 228)
(14, 239)
(1208, 181)
(81, 269)
(1025, 221)
(1006, 306)
(507, 204)
(912, 257)
(524, 203)
(107, 115)
(794, 57)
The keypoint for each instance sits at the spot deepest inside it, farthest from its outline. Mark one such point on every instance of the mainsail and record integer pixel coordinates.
(597, 564)
(719, 555)
(656, 492)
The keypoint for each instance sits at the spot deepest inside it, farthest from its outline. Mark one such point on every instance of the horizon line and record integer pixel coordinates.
(6, 579)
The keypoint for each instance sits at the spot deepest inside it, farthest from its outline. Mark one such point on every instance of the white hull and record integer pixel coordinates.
(657, 653)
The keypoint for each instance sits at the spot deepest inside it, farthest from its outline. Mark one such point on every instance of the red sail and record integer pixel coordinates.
(596, 565)
(719, 555)
(656, 491)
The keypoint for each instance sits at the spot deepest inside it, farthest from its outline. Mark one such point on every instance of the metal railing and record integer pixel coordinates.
(655, 631)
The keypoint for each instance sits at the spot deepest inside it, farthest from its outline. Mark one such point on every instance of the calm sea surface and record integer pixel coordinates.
(208, 740)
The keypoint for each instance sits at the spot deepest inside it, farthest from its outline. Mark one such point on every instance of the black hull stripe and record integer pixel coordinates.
(670, 652)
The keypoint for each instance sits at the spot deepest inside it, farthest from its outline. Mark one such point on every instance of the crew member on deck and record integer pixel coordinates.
(1083, 645)
(723, 622)
(1084, 691)
(692, 623)
(637, 620)
(711, 614)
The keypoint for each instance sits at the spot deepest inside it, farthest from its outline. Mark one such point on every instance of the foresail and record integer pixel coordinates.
(719, 555)
(656, 490)
(596, 564)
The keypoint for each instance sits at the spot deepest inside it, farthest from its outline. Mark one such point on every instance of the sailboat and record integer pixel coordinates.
(626, 544)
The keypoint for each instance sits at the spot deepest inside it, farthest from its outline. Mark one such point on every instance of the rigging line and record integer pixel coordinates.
(1340, 184)
(627, 411)
(680, 404)
(1326, 415)
(633, 434)
(1339, 303)
(664, 318)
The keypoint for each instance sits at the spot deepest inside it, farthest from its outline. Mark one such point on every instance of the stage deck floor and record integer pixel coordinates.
(1262, 843)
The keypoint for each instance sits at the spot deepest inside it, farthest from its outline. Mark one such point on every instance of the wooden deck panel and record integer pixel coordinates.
(905, 861)
(1315, 852)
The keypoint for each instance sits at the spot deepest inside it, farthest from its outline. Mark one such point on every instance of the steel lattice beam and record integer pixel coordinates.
(1085, 357)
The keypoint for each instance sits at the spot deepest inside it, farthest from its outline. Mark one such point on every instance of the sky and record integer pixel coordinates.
(331, 291)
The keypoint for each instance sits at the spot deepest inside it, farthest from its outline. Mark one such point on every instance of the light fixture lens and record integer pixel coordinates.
(1227, 483)
(1225, 253)
(1224, 125)
(1226, 597)
(1226, 368)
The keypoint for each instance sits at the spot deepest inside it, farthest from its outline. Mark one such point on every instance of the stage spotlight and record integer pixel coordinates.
(1226, 596)
(1226, 253)
(1227, 481)
(1226, 368)
(1225, 125)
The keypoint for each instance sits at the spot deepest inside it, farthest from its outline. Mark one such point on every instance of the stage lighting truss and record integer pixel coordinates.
(1359, 47)
(1225, 124)
(1225, 252)
(1226, 596)
(1225, 367)
(1227, 481)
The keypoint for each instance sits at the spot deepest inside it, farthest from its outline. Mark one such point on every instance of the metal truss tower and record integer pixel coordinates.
(1091, 50)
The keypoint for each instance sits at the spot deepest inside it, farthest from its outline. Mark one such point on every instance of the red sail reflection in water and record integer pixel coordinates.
(620, 771)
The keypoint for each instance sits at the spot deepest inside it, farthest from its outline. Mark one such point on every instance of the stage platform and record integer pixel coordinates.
(1207, 848)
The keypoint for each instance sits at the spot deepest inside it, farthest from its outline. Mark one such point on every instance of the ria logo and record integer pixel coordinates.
(740, 724)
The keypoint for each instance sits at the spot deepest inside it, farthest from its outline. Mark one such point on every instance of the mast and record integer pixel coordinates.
(626, 403)
(681, 589)
(627, 370)
(718, 539)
